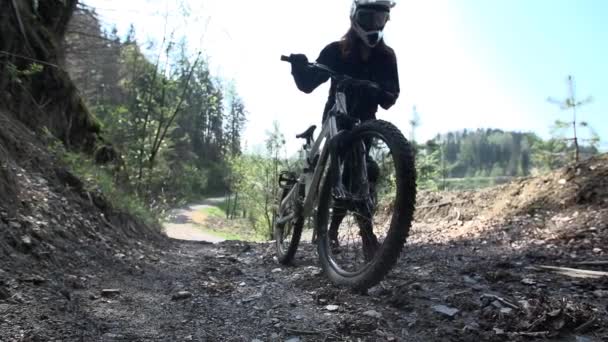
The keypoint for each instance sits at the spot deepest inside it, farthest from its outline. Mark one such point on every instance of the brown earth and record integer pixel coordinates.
(473, 270)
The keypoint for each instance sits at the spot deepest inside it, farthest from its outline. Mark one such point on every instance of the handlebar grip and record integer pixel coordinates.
(285, 58)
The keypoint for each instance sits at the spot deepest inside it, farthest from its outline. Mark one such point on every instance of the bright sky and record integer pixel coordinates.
(463, 63)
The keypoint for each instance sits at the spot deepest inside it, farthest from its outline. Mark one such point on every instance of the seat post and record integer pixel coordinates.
(308, 134)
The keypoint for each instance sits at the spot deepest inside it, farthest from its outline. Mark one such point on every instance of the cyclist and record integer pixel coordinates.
(361, 54)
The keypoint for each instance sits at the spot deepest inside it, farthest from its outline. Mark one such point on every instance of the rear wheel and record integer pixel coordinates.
(287, 229)
(358, 242)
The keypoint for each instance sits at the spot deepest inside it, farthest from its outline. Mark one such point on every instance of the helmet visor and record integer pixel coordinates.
(371, 19)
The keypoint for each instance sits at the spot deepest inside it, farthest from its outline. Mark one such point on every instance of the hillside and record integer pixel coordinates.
(55, 229)
(572, 198)
(479, 266)
(523, 261)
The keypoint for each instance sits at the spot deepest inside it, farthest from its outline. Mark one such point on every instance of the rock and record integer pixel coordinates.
(256, 340)
(315, 271)
(36, 280)
(18, 297)
(499, 331)
(497, 304)
(26, 240)
(253, 297)
(276, 270)
(416, 287)
(471, 327)
(332, 308)
(373, 314)
(4, 294)
(597, 250)
(469, 280)
(15, 225)
(528, 281)
(378, 291)
(506, 311)
(75, 283)
(601, 293)
(446, 310)
(110, 293)
(294, 339)
(109, 336)
(181, 295)
(583, 339)
(562, 181)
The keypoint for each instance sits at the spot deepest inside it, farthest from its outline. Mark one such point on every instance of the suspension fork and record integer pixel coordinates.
(357, 167)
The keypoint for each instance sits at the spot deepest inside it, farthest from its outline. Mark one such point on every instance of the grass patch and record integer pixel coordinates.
(227, 235)
(212, 220)
(213, 212)
(99, 178)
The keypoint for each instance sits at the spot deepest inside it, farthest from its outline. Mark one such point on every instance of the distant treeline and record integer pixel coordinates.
(492, 153)
(174, 124)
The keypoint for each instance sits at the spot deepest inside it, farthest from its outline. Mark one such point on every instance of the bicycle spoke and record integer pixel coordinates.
(361, 231)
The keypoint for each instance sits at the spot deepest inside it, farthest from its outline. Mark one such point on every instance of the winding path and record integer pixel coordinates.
(181, 225)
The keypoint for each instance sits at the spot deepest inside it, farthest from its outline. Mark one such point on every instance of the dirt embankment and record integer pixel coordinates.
(524, 261)
(53, 231)
(573, 200)
(520, 275)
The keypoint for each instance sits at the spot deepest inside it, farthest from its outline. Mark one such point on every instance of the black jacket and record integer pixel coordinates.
(381, 67)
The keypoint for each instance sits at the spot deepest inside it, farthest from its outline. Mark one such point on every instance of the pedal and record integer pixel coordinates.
(287, 180)
(339, 193)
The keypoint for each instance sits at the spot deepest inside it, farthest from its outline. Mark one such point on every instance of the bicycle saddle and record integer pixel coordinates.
(308, 133)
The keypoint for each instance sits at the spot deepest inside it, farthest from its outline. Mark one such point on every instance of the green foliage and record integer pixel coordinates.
(174, 124)
(428, 166)
(249, 174)
(20, 76)
(254, 183)
(473, 159)
(98, 178)
(214, 212)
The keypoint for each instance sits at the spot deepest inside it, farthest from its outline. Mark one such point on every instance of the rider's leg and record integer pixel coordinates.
(368, 238)
(336, 219)
(366, 227)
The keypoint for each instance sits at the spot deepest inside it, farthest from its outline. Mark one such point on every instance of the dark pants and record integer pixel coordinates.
(363, 216)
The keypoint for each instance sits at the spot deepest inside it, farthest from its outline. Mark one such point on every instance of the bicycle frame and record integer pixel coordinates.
(328, 132)
(311, 184)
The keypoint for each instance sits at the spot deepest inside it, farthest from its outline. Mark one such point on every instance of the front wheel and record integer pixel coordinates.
(287, 229)
(359, 242)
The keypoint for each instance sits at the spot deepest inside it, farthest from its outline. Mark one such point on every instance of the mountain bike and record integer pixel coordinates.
(358, 184)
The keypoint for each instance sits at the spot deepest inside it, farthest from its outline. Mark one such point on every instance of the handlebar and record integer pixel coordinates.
(320, 67)
(335, 75)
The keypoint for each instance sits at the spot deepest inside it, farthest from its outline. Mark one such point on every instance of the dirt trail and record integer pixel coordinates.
(181, 225)
(463, 276)
(235, 291)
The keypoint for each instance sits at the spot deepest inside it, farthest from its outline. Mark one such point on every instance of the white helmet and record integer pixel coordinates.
(368, 18)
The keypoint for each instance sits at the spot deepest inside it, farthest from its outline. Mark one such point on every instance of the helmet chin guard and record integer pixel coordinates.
(369, 38)
(368, 18)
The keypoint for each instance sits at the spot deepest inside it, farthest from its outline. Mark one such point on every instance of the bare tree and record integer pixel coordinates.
(571, 103)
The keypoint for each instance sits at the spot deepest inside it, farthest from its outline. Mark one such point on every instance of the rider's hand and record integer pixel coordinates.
(361, 88)
(298, 60)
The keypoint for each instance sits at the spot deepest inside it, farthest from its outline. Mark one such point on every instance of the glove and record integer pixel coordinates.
(298, 61)
(361, 88)
(386, 100)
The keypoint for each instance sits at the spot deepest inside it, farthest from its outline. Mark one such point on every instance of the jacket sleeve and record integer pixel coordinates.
(308, 79)
(391, 87)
